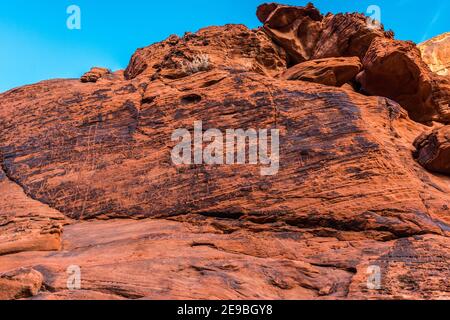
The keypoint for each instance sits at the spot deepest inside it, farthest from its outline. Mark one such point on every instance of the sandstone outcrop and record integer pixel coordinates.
(349, 195)
(433, 150)
(231, 46)
(436, 53)
(306, 34)
(95, 74)
(331, 71)
(26, 224)
(394, 69)
(120, 161)
(296, 29)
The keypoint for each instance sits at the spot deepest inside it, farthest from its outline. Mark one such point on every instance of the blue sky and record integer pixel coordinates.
(37, 45)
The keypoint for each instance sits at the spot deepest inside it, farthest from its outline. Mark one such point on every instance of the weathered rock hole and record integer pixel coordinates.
(211, 82)
(148, 100)
(191, 98)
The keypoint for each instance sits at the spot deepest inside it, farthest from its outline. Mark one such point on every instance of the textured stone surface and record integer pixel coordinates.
(436, 53)
(119, 161)
(306, 34)
(347, 35)
(231, 46)
(392, 69)
(296, 29)
(331, 71)
(349, 195)
(433, 150)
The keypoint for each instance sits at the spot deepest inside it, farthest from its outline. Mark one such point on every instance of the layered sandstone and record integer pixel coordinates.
(331, 71)
(25, 223)
(436, 53)
(94, 157)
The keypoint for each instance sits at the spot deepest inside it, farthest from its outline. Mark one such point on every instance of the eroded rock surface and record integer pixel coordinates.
(26, 224)
(331, 71)
(394, 69)
(230, 46)
(306, 34)
(433, 150)
(197, 257)
(348, 195)
(436, 53)
(95, 74)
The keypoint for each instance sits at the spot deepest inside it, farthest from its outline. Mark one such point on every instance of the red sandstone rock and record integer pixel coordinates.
(231, 46)
(95, 74)
(305, 34)
(433, 150)
(348, 195)
(26, 224)
(436, 53)
(394, 69)
(296, 29)
(19, 284)
(332, 71)
(347, 35)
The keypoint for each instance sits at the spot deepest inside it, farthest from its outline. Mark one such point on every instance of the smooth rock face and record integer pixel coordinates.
(433, 150)
(436, 53)
(394, 69)
(331, 71)
(95, 157)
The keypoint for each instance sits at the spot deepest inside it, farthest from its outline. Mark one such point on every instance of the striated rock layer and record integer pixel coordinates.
(95, 155)
(436, 53)
(330, 71)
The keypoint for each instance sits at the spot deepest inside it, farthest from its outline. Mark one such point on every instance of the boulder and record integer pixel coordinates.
(394, 69)
(95, 74)
(433, 150)
(19, 284)
(305, 34)
(347, 35)
(296, 29)
(346, 195)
